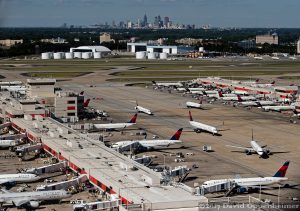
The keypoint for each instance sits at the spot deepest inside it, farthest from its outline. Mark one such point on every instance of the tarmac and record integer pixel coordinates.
(272, 129)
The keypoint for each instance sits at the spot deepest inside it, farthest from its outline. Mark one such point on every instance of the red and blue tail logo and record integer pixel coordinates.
(177, 135)
(282, 171)
(239, 98)
(133, 119)
(86, 103)
(220, 94)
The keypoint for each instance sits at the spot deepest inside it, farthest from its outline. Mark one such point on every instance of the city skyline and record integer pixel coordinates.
(217, 13)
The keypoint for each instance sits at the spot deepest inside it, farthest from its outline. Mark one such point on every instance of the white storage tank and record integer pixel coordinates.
(151, 55)
(140, 55)
(47, 55)
(201, 49)
(69, 55)
(86, 55)
(58, 55)
(97, 55)
(78, 55)
(163, 55)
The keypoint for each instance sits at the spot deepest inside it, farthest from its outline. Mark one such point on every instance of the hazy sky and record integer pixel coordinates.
(221, 13)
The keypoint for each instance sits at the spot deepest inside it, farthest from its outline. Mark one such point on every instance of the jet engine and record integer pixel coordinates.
(242, 190)
(268, 152)
(34, 204)
(248, 152)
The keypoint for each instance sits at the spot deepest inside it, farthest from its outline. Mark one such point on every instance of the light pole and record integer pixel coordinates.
(278, 200)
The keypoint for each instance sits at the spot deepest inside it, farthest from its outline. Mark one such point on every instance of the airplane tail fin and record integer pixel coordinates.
(177, 135)
(239, 98)
(86, 103)
(81, 93)
(273, 82)
(282, 171)
(220, 94)
(133, 119)
(154, 82)
(190, 114)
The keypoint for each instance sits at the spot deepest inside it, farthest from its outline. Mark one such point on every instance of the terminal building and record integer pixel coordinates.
(68, 105)
(136, 185)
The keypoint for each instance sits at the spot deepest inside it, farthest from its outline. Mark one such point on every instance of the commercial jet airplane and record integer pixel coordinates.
(17, 178)
(235, 98)
(247, 184)
(190, 104)
(279, 108)
(258, 103)
(199, 127)
(168, 84)
(31, 199)
(113, 126)
(296, 113)
(151, 144)
(264, 85)
(255, 148)
(142, 109)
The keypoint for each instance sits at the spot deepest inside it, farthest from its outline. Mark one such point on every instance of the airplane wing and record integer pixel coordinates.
(5, 181)
(245, 148)
(20, 201)
(5, 190)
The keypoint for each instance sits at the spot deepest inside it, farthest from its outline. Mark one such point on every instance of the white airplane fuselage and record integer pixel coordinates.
(239, 92)
(35, 196)
(19, 177)
(257, 148)
(278, 108)
(113, 125)
(143, 110)
(195, 92)
(203, 127)
(8, 143)
(193, 105)
(167, 84)
(245, 182)
(197, 89)
(257, 103)
(149, 144)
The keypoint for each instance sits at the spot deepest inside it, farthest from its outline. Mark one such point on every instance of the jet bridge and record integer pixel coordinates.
(227, 187)
(13, 137)
(48, 169)
(180, 172)
(132, 147)
(145, 160)
(4, 125)
(26, 149)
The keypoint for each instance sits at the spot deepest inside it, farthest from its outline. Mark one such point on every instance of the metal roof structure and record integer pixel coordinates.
(97, 48)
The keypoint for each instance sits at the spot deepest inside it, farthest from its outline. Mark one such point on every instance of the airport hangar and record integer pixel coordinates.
(169, 49)
(102, 49)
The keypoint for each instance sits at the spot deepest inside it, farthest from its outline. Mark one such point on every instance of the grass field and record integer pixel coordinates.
(142, 70)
